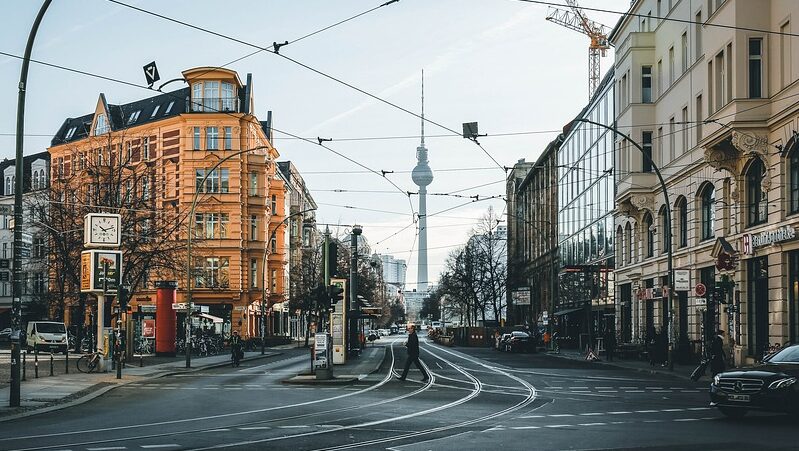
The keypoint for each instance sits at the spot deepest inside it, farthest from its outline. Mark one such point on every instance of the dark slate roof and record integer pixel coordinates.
(26, 169)
(121, 115)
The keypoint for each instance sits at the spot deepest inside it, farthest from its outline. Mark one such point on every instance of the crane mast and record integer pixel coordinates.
(576, 20)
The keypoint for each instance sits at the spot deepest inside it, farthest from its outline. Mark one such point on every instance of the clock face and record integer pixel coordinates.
(104, 230)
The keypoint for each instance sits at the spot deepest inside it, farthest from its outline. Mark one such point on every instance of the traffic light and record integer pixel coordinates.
(332, 258)
(336, 294)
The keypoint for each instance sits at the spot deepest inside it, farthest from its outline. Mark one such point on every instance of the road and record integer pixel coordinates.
(477, 399)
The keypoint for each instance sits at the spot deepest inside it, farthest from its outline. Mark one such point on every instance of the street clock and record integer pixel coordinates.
(102, 230)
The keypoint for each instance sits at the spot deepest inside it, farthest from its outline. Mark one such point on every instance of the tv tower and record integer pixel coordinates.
(422, 176)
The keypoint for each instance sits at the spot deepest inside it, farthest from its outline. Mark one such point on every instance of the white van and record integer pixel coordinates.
(47, 336)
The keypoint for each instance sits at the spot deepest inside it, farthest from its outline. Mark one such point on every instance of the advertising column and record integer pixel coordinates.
(165, 318)
(338, 320)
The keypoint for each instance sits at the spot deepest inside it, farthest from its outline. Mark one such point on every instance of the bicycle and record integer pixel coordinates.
(88, 363)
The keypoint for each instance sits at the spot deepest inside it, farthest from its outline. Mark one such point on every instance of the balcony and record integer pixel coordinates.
(213, 105)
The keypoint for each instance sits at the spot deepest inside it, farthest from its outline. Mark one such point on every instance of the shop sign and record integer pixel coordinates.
(148, 328)
(521, 296)
(751, 241)
(682, 280)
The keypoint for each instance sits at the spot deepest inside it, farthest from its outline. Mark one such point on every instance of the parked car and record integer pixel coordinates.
(771, 386)
(372, 335)
(383, 332)
(520, 342)
(5, 334)
(47, 336)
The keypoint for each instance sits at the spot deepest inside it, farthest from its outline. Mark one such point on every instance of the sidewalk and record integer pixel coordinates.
(680, 371)
(57, 392)
(352, 371)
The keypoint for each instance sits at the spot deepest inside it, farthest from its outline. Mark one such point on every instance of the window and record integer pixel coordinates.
(211, 138)
(646, 84)
(228, 98)
(228, 138)
(708, 209)
(128, 192)
(699, 119)
(145, 188)
(146, 148)
(128, 152)
(254, 272)
(216, 182)
(155, 111)
(169, 107)
(70, 133)
(628, 240)
(273, 283)
(197, 96)
(211, 225)
(672, 79)
(755, 68)
(38, 247)
(274, 204)
(757, 200)
(793, 171)
(196, 138)
(253, 183)
(785, 57)
(659, 154)
(718, 73)
(253, 227)
(213, 272)
(646, 139)
(698, 35)
(273, 244)
(132, 118)
(682, 212)
(211, 95)
(684, 129)
(684, 52)
(660, 77)
(101, 126)
(665, 230)
(648, 232)
(672, 139)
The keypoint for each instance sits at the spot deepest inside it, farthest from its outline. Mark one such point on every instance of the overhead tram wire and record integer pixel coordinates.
(307, 67)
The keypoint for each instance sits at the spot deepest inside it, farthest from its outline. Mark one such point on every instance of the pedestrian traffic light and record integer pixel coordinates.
(336, 294)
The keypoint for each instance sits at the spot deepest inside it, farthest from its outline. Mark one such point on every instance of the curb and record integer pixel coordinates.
(345, 380)
(623, 367)
(105, 389)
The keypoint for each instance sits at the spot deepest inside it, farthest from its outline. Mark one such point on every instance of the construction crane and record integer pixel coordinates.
(576, 20)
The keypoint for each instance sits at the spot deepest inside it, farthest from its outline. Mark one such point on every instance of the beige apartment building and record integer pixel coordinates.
(716, 107)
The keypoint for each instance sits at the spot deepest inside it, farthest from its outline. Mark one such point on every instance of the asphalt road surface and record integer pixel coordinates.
(477, 399)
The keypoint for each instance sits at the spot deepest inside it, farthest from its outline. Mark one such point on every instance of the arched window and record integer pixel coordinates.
(756, 199)
(648, 233)
(707, 200)
(620, 246)
(793, 174)
(35, 180)
(628, 242)
(665, 229)
(682, 222)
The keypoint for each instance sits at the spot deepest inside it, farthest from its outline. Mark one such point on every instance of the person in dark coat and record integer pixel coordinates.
(717, 364)
(413, 354)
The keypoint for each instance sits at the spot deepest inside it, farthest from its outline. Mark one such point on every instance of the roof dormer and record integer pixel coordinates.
(101, 123)
(214, 90)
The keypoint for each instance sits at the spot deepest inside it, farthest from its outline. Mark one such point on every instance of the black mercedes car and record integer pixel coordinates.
(771, 386)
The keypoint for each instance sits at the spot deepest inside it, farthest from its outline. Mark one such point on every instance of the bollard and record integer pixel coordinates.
(51, 363)
(24, 355)
(35, 363)
(141, 360)
(66, 361)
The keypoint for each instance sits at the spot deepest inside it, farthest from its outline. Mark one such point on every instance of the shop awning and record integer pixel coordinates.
(213, 318)
(567, 311)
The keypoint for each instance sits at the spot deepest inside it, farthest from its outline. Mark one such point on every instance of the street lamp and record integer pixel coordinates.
(16, 287)
(666, 235)
(189, 221)
(267, 248)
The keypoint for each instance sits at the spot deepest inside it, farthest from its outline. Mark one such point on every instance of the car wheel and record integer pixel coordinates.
(732, 412)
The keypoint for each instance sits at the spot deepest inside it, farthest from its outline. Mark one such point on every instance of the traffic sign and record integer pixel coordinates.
(701, 301)
(180, 306)
(700, 289)
(151, 73)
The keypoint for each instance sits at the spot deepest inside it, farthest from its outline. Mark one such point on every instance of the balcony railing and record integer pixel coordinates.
(213, 105)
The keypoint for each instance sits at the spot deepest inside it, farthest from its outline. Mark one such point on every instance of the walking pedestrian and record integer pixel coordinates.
(413, 354)
(717, 353)
(235, 348)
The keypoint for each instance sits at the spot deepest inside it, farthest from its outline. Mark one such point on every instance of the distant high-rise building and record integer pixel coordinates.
(422, 176)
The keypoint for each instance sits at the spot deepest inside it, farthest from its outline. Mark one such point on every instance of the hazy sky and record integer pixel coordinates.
(497, 62)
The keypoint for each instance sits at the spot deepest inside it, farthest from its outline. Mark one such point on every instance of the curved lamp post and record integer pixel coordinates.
(267, 248)
(16, 287)
(666, 234)
(189, 223)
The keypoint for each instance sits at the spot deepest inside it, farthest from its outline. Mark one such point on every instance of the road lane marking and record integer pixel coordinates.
(165, 445)
(254, 428)
(562, 415)
(521, 428)
(294, 426)
(558, 425)
(591, 414)
(698, 408)
(646, 411)
(621, 412)
(107, 448)
(592, 424)
(533, 416)
(686, 419)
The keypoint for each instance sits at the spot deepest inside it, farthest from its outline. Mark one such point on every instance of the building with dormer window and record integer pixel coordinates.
(159, 150)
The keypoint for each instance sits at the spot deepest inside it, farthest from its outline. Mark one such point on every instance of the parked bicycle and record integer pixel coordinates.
(88, 363)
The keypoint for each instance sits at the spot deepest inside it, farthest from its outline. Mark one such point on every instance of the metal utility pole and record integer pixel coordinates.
(16, 287)
(666, 235)
(356, 232)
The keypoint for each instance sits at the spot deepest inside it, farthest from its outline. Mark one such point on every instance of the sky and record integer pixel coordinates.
(495, 62)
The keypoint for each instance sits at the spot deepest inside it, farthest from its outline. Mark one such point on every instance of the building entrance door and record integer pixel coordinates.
(757, 306)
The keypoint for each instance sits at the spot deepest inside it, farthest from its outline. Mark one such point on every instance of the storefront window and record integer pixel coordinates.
(793, 161)
(793, 296)
(757, 311)
(757, 200)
